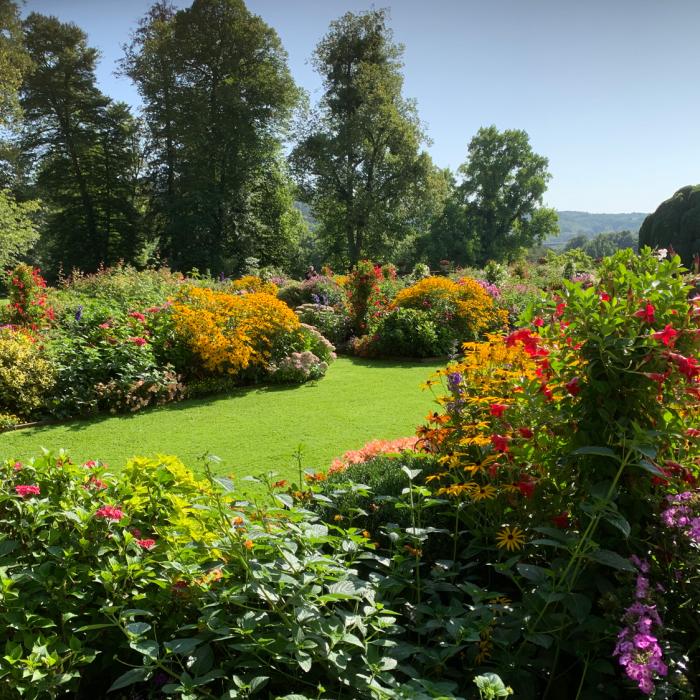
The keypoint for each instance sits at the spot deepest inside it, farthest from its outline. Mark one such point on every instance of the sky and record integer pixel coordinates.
(606, 89)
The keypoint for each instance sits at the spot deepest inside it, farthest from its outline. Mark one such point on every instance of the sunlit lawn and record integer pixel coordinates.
(255, 429)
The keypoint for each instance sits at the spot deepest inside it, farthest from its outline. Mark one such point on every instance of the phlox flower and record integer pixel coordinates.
(25, 490)
(111, 513)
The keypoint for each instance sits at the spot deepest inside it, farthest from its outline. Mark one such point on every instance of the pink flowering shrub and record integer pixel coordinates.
(373, 449)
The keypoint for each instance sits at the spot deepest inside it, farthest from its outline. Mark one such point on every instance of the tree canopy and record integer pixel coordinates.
(358, 162)
(675, 224)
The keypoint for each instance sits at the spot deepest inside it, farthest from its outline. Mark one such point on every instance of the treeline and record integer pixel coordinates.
(209, 174)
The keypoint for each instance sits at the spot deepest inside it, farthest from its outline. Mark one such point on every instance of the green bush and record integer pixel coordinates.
(411, 333)
(332, 323)
(27, 376)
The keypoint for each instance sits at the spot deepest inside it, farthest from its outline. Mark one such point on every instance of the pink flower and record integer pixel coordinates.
(96, 484)
(104, 326)
(146, 544)
(537, 321)
(646, 313)
(666, 336)
(497, 409)
(27, 490)
(111, 513)
(138, 341)
(500, 442)
(90, 464)
(17, 466)
(137, 316)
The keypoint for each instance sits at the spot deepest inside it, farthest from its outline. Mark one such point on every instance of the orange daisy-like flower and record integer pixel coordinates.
(510, 538)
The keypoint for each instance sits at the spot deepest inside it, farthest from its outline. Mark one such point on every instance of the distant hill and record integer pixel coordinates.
(574, 223)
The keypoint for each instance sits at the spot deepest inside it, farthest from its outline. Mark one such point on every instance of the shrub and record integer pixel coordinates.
(251, 283)
(411, 333)
(560, 444)
(331, 323)
(231, 333)
(463, 306)
(27, 297)
(27, 375)
(157, 582)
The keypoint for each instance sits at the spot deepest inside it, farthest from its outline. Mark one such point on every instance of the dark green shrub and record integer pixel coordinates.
(411, 333)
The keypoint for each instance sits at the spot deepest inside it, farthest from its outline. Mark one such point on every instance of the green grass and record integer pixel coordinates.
(255, 429)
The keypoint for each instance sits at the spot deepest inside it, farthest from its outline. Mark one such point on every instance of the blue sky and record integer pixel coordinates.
(606, 89)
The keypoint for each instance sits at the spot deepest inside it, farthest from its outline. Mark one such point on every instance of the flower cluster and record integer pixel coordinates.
(683, 513)
(370, 450)
(637, 646)
(251, 284)
(27, 297)
(231, 332)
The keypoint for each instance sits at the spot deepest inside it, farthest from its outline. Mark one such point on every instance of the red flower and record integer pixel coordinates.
(573, 387)
(27, 490)
(604, 296)
(138, 341)
(692, 432)
(559, 311)
(666, 336)
(90, 464)
(104, 326)
(539, 322)
(525, 433)
(111, 513)
(544, 389)
(146, 544)
(500, 442)
(646, 313)
(137, 316)
(527, 487)
(687, 366)
(497, 409)
(561, 520)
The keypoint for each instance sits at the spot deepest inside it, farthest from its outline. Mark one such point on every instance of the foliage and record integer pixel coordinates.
(27, 297)
(230, 333)
(411, 333)
(18, 231)
(560, 443)
(219, 194)
(604, 244)
(463, 306)
(26, 374)
(357, 160)
(251, 283)
(499, 202)
(319, 289)
(84, 148)
(193, 593)
(675, 224)
(107, 366)
(330, 322)
(14, 61)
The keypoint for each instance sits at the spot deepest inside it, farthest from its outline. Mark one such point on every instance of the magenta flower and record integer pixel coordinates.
(27, 490)
(146, 544)
(111, 513)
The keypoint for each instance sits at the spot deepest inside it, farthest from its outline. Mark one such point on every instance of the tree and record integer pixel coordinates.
(17, 230)
(14, 61)
(501, 194)
(85, 149)
(218, 97)
(675, 224)
(603, 244)
(358, 161)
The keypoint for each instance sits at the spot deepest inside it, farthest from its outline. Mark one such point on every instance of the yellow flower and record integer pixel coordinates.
(510, 538)
(481, 493)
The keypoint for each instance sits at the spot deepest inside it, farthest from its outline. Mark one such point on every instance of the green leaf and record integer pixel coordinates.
(134, 675)
(611, 559)
(533, 573)
(183, 646)
(258, 683)
(285, 499)
(7, 546)
(147, 647)
(651, 468)
(138, 628)
(599, 451)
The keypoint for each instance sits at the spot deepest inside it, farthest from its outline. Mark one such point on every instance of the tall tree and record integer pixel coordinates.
(14, 61)
(218, 97)
(358, 161)
(502, 192)
(85, 147)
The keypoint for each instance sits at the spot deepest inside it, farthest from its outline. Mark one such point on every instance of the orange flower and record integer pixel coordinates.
(248, 544)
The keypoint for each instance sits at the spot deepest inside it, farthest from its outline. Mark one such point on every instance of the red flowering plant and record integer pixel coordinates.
(28, 304)
(560, 443)
(370, 289)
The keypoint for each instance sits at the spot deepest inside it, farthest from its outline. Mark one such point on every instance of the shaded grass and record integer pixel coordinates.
(256, 429)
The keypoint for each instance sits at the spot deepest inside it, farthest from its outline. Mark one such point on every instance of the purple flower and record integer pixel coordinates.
(79, 312)
(454, 379)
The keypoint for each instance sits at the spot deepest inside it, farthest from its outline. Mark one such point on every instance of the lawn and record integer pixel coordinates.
(255, 429)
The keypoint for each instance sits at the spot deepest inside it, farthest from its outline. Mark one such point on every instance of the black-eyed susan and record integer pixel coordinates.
(510, 538)
(483, 493)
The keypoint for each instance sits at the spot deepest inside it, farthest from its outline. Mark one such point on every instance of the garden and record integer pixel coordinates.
(537, 535)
